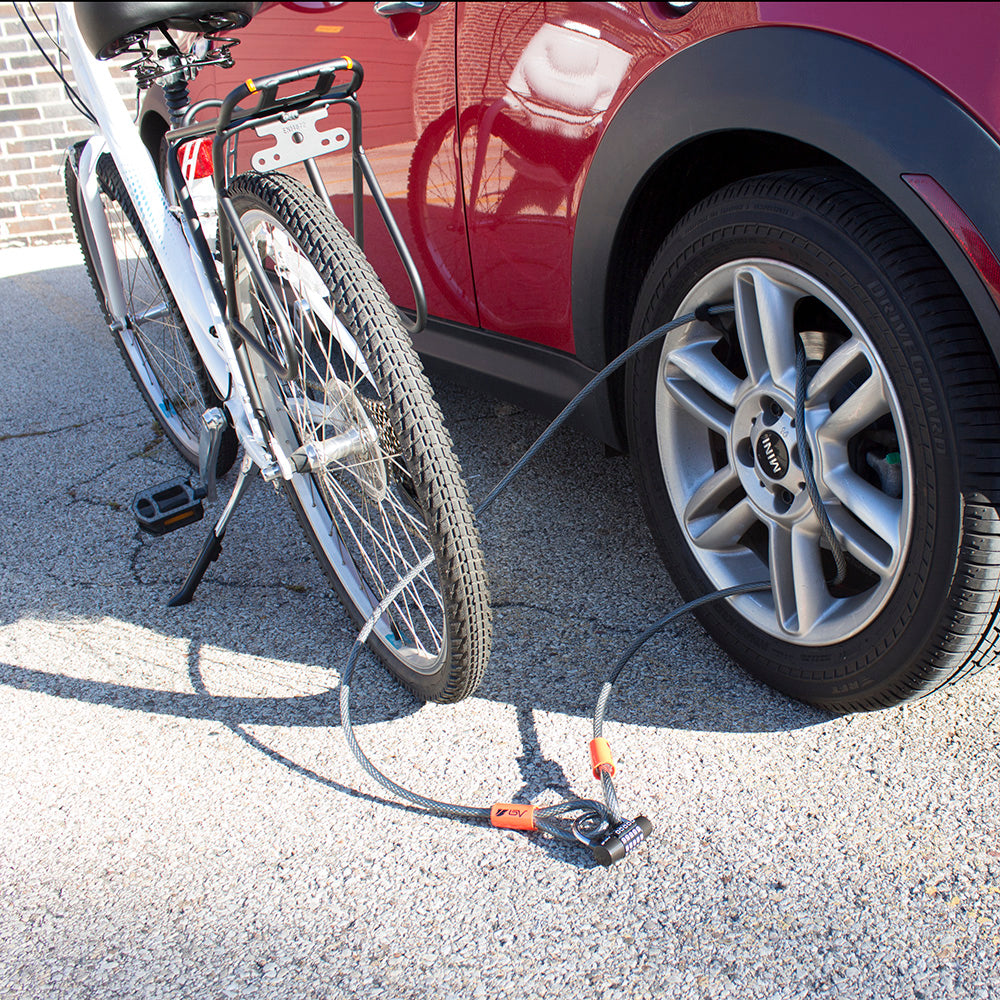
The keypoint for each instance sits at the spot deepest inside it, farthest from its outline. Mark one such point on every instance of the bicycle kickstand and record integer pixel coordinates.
(212, 548)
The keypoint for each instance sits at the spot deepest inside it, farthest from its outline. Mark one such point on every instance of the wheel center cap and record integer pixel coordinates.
(765, 456)
(772, 455)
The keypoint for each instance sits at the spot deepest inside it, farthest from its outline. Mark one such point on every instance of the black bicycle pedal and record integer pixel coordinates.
(169, 506)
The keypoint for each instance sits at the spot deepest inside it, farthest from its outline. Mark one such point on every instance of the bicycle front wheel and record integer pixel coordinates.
(151, 335)
(397, 495)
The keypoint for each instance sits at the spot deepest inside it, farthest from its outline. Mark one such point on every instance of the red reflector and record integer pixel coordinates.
(960, 226)
(196, 159)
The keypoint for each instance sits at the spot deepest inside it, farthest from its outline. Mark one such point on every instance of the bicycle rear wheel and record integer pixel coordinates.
(375, 513)
(152, 336)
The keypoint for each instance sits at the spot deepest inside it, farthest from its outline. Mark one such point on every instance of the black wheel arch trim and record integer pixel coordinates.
(863, 107)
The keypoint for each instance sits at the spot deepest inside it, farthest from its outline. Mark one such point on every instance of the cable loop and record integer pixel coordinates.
(590, 828)
(597, 824)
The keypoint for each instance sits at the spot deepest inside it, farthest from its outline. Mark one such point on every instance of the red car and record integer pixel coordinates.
(573, 175)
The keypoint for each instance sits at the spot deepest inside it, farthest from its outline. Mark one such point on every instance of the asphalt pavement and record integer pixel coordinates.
(180, 816)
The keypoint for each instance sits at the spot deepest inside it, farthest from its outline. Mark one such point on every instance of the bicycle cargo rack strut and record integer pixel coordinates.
(291, 120)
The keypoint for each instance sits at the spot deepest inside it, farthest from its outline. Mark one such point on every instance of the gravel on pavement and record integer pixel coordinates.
(180, 816)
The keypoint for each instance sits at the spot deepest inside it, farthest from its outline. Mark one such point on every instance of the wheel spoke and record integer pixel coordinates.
(707, 498)
(765, 325)
(863, 407)
(307, 289)
(382, 548)
(697, 361)
(415, 603)
(869, 550)
(706, 409)
(410, 604)
(384, 538)
(846, 361)
(168, 362)
(880, 513)
(725, 531)
(801, 596)
(153, 334)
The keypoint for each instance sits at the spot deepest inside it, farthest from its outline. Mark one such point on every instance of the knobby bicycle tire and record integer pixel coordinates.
(376, 513)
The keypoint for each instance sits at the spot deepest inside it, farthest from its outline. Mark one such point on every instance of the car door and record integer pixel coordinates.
(409, 64)
(534, 83)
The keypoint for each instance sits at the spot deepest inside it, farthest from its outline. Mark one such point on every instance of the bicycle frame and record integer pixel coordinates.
(173, 250)
(175, 236)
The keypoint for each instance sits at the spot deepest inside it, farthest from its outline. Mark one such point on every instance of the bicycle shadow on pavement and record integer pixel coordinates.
(573, 571)
(539, 775)
(560, 622)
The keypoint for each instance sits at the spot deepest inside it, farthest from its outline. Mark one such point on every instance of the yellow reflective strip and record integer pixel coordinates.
(349, 61)
(251, 87)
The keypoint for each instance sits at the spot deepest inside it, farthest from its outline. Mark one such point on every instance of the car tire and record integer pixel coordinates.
(902, 419)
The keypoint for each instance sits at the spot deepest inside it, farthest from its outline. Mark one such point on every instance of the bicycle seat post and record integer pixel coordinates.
(175, 88)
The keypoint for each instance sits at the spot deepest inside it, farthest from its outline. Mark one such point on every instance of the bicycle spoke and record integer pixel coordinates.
(154, 338)
(361, 511)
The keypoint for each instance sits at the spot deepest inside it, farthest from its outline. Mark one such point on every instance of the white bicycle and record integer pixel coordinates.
(274, 335)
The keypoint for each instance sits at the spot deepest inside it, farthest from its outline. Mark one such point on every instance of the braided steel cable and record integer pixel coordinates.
(545, 818)
(594, 818)
(602, 376)
(805, 454)
(604, 696)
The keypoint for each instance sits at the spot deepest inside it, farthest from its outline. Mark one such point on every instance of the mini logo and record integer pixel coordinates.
(772, 455)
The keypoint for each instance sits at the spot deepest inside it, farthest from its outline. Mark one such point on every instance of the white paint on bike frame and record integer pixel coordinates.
(189, 286)
(95, 224)
(298, 139)
(178, 261)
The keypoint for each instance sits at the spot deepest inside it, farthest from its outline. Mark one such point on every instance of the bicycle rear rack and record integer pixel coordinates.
(273, 106)
(177, 503)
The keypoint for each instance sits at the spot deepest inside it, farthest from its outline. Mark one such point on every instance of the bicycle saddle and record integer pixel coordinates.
(106, 27)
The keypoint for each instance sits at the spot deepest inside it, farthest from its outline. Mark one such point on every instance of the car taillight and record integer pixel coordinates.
(196, 159)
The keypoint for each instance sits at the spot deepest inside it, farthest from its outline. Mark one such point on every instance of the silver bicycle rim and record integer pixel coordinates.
(370, 532)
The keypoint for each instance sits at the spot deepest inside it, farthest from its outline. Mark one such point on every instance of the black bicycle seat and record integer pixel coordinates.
(107, 28)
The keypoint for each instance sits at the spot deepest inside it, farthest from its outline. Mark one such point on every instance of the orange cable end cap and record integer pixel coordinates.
(600, 757)
(512, 816)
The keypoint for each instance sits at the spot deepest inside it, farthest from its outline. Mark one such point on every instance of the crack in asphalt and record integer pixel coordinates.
(111, 505)
(90, 479)
(162, 582)
(617, 629)
(140, 546)
(49, 432)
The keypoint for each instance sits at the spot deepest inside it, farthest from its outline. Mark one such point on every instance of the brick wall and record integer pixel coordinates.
(37, 124)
